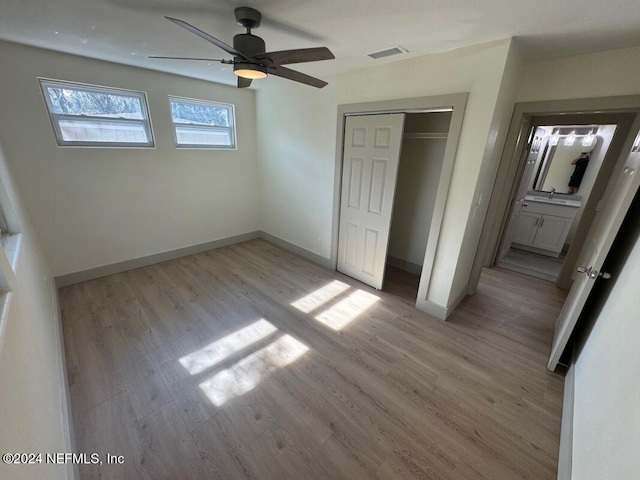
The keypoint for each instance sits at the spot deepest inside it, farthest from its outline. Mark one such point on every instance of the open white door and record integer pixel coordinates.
(531, 156)
(369, 171)
(598, 243)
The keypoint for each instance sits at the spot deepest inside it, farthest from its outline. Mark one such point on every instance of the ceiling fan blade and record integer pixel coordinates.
(285, 57)
(243, 82)
(219, 43)
(296, 76)
(188, 58)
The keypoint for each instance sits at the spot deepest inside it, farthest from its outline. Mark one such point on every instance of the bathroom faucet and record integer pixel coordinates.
(551, 192)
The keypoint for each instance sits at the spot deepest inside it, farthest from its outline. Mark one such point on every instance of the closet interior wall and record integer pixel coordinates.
(421, 158)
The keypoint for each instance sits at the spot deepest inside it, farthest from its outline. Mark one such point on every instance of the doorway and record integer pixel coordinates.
(422, 230)
(562, 166)
(615, 185)
(423, 147)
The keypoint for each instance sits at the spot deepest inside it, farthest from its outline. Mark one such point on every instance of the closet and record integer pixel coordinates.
(422, 153)
(392, 169)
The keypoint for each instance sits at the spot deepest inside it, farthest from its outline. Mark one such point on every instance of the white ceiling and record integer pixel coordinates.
(127, 31)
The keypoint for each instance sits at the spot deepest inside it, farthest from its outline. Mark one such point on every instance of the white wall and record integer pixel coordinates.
(606, 431)
(297, 138)
(601, 74)
(98, 206)
(491, 152)
(416, 186)
(31, 360)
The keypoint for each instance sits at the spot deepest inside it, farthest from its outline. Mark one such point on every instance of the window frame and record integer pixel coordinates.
(55, 118)
(5, 232)
(231, 128)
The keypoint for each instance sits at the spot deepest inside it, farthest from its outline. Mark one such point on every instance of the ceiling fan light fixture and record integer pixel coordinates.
(250, 71)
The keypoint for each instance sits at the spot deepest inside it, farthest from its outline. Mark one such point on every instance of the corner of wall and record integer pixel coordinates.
(36, 408)
(469, 264)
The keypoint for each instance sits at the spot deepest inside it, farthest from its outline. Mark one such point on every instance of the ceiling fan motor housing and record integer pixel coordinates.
(248, 44)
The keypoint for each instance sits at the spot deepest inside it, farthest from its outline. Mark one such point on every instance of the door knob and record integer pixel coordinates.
(591, 273)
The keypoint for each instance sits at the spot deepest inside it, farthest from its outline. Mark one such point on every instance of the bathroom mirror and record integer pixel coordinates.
(561, 167)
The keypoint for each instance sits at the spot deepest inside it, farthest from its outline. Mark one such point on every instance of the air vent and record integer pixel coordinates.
(397, 50)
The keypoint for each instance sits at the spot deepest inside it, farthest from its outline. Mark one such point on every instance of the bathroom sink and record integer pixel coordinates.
(553, 200)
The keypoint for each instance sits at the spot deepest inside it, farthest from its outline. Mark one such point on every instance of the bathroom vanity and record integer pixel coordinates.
(543, 222)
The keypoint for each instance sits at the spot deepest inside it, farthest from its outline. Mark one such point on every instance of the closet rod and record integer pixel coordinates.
(425, 135)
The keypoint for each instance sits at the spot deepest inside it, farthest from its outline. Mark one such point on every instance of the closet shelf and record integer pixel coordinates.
(425, 135)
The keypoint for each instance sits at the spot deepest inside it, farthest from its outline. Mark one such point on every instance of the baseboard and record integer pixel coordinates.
(69, 437)
(303, 252)
(440, 311)
(404, 265)
(539, 251)
(432, 308)
(565, 453)
(456, 301)
(119, 267)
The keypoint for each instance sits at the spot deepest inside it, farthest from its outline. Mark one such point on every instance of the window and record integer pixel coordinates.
(86, 115)
(202, 124)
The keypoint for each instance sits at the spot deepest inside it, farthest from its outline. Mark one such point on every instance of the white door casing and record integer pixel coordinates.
(597, 245)
(370, 168)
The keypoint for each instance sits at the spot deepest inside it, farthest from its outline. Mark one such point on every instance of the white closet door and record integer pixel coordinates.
(369, 171)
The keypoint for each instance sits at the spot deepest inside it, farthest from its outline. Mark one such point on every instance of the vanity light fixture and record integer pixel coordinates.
(588, 139)
(554, 139)
(570, 140)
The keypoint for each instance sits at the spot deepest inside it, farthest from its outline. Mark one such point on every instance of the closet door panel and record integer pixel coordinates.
(370, 168)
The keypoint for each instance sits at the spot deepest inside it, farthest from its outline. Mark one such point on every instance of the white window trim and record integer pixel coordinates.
(231, 129)
(4, 229)
(8, 258)
(55, 117)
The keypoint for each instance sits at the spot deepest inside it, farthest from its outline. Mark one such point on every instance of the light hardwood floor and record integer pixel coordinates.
(251, 362)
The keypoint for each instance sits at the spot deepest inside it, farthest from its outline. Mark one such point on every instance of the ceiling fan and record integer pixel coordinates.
(250, 60)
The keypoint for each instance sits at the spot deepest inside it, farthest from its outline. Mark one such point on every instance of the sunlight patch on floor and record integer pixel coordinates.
(245, 375)
(223, 348)
(347, 310)
(320, 296)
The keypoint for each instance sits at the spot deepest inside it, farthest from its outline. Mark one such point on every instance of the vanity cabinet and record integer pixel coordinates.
(543, 227)
(526, 227)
